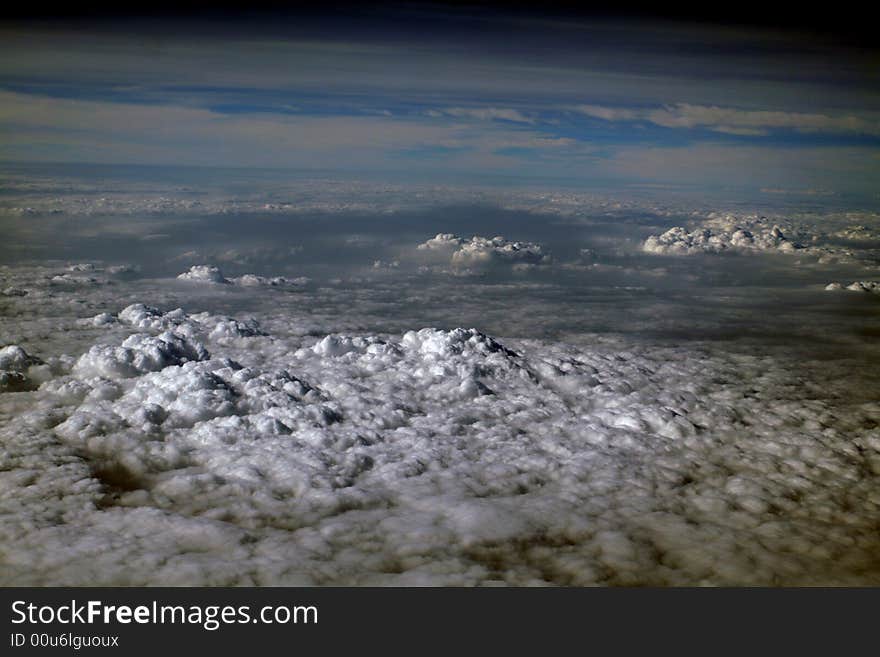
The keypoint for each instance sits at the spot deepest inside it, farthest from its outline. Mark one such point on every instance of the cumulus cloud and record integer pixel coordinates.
(252, 280)
(732, 232)
(75, 279)
(442, 242)
(680, 241)
(480, 251)
(348, 434)
(871, 287)
(139, 354)
(214, 275)
(428, 457)
(204, 274)
(15, 364)
(858, 233)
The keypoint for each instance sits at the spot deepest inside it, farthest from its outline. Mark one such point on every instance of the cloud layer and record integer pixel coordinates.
(604, 417)
(736, 121)
(546, 100)
(432, 457)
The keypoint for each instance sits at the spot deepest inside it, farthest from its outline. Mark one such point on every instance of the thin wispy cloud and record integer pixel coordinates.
(609, 113)
(735, 121)
(95, 129)
(483, 114)
(535, 98)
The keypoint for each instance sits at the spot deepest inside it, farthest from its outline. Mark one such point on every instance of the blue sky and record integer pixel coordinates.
(437, 92)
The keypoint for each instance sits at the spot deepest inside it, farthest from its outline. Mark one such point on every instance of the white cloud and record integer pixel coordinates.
(735, 233)
(14, 365)
(306, 448)
(430, 457)
(680, 241)
(204, 274)
(207, 274)
(478, 251)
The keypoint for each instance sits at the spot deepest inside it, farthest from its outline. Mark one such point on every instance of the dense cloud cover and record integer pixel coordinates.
(640, 349)
(198, 449)
(337, 400)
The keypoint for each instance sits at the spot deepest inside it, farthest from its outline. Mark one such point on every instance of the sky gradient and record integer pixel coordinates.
(433, 92)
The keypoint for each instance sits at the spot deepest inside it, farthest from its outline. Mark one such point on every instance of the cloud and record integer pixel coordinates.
(42, 127)
(796, 192)
(679, 241)
(734, 233)
(608, 113)
(709, 163)
(436, 102)
(735, 121)
(480, 252)
(204, 274)
(483, 114)
(14, 365)
(871, 287)
(742, 132)
(454, 456)
(214, 276)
